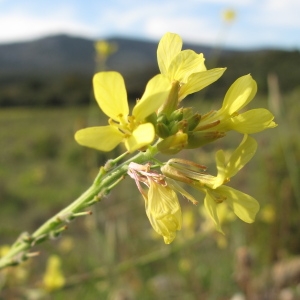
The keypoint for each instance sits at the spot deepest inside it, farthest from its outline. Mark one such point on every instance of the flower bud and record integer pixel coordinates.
(199, 138)
(179, 126)
(177, 115)
(173, 144)
(171, 104)
(162, 130)
(193, 121)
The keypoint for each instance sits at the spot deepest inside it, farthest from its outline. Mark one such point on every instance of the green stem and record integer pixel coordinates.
(102, 185)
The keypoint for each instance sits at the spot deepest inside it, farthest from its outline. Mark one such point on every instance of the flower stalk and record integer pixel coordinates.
(53, 227)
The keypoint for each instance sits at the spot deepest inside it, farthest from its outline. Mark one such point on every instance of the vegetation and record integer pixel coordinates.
(114, 253)
(102, 249)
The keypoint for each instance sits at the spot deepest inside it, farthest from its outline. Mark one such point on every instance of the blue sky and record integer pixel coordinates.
(259, 23)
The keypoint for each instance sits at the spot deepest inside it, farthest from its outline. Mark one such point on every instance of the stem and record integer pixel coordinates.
(104, 182)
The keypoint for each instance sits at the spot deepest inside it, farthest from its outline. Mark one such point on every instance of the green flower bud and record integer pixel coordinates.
(177, 115)
(198, 139)
(172, 102)
(187, 112)
(193, 121)
(162, 130)
(173, 144)
(162, 118)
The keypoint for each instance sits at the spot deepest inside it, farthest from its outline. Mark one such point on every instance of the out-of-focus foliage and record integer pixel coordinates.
(50, 72)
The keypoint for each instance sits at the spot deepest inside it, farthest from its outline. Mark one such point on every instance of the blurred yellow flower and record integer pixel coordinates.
(134, 131)
(268, 214)
(229, 15)
(186, 66)
(53, 278)
(104, 48)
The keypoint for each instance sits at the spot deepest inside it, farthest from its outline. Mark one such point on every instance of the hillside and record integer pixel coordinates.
(57, 70)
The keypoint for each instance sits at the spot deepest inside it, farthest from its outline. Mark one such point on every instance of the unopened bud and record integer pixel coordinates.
(187, 112)
(162, 118)
(174, 143)
(177, 115)
(162, 130)
(198, 138)
(171, 104)
(179, 126)
(194, 121)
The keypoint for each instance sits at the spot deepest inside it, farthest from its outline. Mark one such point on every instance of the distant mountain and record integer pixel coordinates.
(62, 53)
(58, 69)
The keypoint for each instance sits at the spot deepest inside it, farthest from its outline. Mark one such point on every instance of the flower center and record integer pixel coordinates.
(125, 125)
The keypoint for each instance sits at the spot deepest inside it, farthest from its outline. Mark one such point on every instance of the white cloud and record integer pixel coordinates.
(258, 21)
(280, 13)
(20, 25)
(191, 29)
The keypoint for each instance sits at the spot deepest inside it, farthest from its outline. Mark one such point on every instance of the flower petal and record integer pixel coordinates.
(253, 121)
(142, 136)
(169, 46)
(198, 81)
(163, 211)
(176, 187)
(241, 156)
(211, 207)
(104, 138)
(220, 162)
(156, 93)
(243, 205)
(110, 93)
(239, 94)
(184, 64)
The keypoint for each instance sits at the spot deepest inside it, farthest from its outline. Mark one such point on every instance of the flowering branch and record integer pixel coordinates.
(160, 124)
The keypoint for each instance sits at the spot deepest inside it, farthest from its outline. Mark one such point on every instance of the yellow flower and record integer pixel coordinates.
(163, 210)
(104, 48)
(187, 67)
(53, 278)
(134, 131)
(241, 92)
(243, 205)
(161, 202)
(229, 15)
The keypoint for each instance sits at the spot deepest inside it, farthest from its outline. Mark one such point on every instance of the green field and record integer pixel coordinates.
(114, 253)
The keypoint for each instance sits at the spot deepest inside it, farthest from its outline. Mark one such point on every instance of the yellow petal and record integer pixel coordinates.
(156, 93)
(239, 94)
(243, 205)
(198, 81)
(241, 156)
(211, 207)
(184, 64)
(220, 162)
(104, 138)
(110, 93)
(163, 211)
(168, 47)
(142, 136)
(253, 121)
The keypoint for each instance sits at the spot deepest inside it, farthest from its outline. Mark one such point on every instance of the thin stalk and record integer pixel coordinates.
(53, 227)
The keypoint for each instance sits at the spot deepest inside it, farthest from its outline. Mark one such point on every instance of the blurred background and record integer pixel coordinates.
(49, 52)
